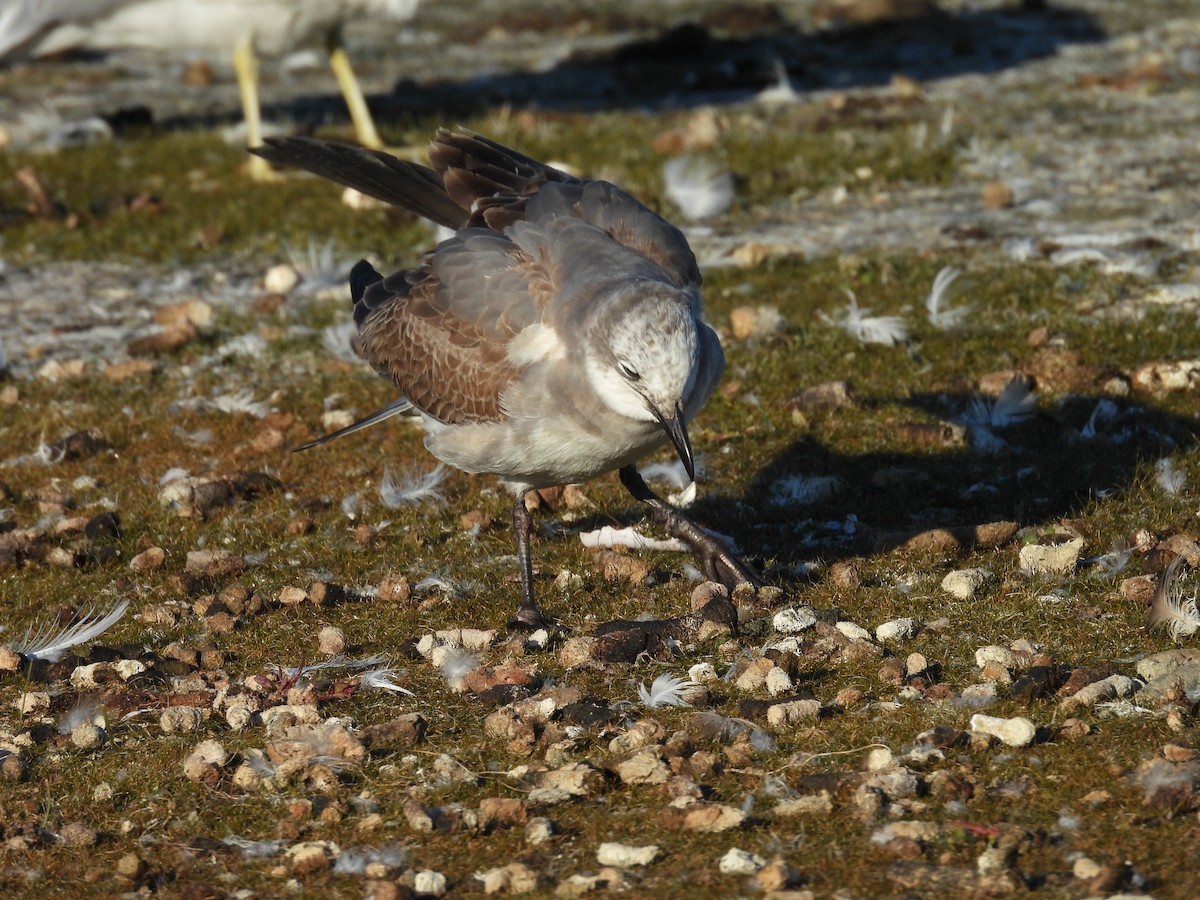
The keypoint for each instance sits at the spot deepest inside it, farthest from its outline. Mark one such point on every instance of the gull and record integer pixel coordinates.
(247, 27)
(555, 337)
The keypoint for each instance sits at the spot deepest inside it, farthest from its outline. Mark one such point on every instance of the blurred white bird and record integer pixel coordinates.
(245, 27)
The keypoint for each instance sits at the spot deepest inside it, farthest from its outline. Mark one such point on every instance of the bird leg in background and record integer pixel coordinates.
(360, 115)
(245, 65)
(528, 615)
(718, 562)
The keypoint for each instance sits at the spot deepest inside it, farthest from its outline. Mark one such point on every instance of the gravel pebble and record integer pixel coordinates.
(740, 862)
(625, 855)
(794, 619)
(896, 630)
(1015, 732)
(1050, 559)
(965, 583)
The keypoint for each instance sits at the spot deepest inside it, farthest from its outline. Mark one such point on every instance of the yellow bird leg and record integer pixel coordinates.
(360, 115)
(245, 65)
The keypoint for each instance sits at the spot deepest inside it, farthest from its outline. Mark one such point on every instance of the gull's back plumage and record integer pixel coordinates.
(487, 334)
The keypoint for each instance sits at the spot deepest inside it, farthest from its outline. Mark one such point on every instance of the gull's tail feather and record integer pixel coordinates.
(394, 408)
(399, 182)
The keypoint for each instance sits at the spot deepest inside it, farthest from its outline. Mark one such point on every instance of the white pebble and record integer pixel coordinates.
(1050, 559)
(1001, 656)
(180, 719)
(740, 862)
(880, 759)
(896, 629)
(538, 830)
(703, 673)
(281, 279)
(624, 856)
(794, 619)
(778, 682)
(964, 583)
(1015, 732)
(853, 631)
(781, 715)
(331, 640)
(1085, 869)
(88, 736)
(428, 881)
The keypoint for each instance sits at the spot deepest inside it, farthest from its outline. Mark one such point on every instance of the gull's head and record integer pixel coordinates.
(642, 357)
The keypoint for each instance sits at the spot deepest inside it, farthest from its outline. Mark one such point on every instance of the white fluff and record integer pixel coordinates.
(412, 488)
(1169, 608)
(1014, 405)
(85, 711)
(698, 186)
(1168, 478)
(666, 690)
(456, 665)
(335, 340)
(355, 860)
(672, 472)
(381, 679)
(318, 268)
(240, 402)
(50, 643)
(253, 849)
(886, 330)
(782, 90)
(803, 490)
(1105, 411)
(939, 316)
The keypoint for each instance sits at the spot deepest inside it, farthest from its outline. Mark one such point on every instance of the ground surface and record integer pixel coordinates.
(171, 328)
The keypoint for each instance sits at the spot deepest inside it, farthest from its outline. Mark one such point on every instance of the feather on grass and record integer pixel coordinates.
(1169, 479)
(412, 489)
(939, 315)
(885, 330)
(666, 690)
(50, 642)
(381, 679)
(1014, 405)
(698, 186)
(1169, 608)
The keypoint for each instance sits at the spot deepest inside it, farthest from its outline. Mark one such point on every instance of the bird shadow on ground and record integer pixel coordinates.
(702, 62)
(952, 474)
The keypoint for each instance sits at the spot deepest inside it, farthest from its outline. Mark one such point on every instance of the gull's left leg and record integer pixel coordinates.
(528, 615)
(245, 65)
(360, 115)
(718, 562)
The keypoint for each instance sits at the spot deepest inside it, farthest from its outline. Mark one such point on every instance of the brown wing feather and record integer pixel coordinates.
(443, 364)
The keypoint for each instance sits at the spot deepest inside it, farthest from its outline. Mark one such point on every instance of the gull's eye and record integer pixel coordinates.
(629, 372)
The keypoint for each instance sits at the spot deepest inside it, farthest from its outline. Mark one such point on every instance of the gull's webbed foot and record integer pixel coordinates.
(719, 563)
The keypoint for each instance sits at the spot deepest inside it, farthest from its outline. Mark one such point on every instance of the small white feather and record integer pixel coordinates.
(1169, 608)
(412, 488)
(1015, 404)
(939, 315)
(1169, 479)
(666, 690)
(50, 644)
(698, 186)
(382, 679)
(886, 330)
